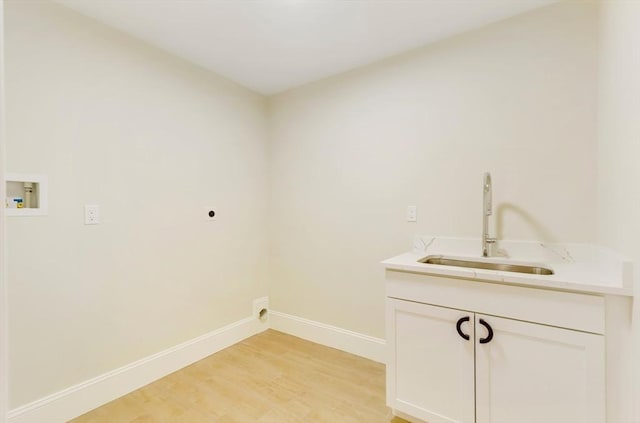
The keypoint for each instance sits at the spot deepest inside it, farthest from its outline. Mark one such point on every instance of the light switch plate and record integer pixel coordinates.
(412, 214)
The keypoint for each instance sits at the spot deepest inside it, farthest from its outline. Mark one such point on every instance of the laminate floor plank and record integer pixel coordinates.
(271, 377)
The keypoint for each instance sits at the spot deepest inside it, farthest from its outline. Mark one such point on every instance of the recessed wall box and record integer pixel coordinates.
(26, 195)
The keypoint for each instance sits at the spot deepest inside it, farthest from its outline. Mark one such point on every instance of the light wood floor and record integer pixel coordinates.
(269, 378)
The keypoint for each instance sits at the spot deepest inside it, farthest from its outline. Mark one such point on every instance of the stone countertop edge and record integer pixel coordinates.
(583, 268)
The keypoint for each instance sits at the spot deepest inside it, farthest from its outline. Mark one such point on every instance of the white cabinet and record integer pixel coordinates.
(433, 376)
(508, 370)
(531, 373)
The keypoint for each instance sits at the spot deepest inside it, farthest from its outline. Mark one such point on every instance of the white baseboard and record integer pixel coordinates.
(331, 336)
(83, 397)
(79, 399)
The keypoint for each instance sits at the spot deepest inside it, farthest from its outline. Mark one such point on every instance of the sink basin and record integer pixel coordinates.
(533, 269)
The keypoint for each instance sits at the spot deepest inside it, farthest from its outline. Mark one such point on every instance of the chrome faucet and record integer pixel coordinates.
(486, 212)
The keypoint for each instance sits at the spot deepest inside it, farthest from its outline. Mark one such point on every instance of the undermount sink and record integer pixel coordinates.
(533, 269)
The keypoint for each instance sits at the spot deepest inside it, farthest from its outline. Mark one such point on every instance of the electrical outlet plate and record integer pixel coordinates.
(91, 215)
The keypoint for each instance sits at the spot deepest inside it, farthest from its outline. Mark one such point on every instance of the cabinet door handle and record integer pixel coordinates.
(489, 329)
(459, 327)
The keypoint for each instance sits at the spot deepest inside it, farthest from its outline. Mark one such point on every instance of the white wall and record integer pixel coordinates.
(152, 140)
(619, 126)
(3, 285)
(350, 153)
(618, 153)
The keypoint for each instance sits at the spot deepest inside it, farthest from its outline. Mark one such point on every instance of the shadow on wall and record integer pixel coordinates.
(542, 232)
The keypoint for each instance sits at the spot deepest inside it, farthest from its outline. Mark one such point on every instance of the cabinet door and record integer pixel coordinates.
(530, 373)
(430, 372)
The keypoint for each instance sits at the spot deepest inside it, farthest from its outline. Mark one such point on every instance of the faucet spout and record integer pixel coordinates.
(487, 241)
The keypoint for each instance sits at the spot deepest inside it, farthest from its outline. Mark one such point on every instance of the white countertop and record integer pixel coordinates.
(577, 267)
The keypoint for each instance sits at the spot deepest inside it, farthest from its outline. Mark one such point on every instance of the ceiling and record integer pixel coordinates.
(270, 46)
